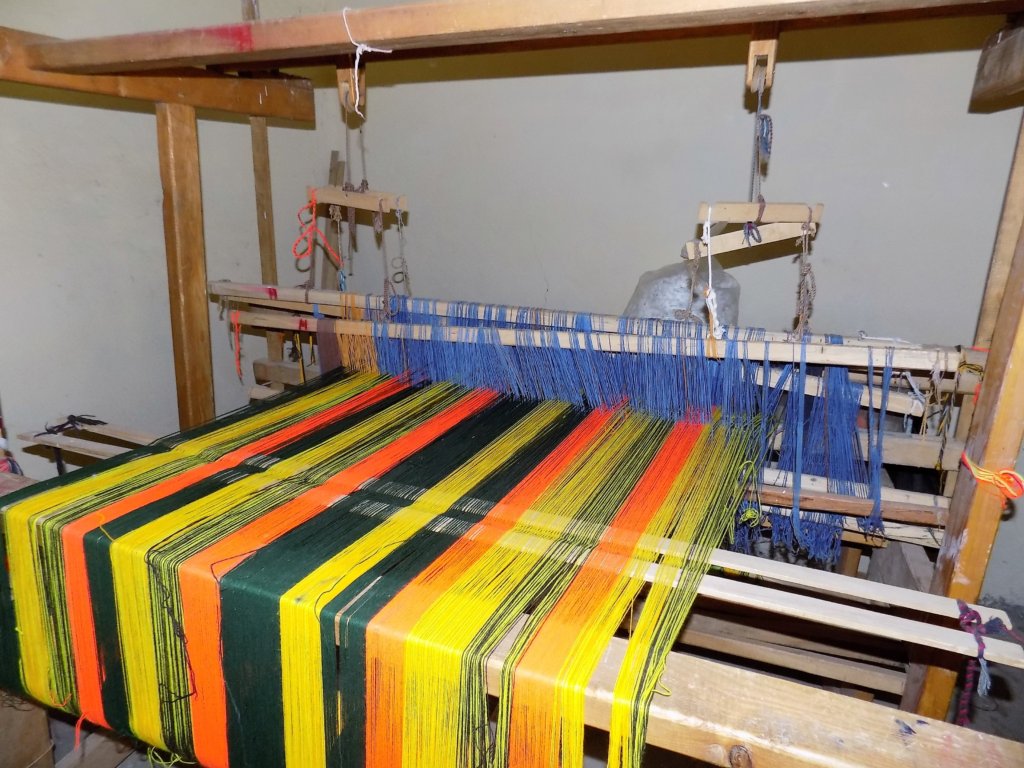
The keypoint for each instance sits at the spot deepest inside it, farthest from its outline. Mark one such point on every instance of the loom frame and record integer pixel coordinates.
(95, 66)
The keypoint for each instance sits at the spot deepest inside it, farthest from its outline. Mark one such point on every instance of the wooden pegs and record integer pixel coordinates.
(349, 86)
(761, 54)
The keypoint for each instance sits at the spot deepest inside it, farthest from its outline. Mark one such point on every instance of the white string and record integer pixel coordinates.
(361, 48)
(711, 299)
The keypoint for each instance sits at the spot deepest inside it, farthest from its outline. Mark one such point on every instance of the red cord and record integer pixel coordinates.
(1006, 480)
(309, 233)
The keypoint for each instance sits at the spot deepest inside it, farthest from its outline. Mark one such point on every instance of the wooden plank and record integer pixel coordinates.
(773, 213)
(773, 722)
(1001, 66)
(178, 142)
(436, 24)
(698, 634)
(75, 445)
(289, 98)
(735, 241)
(945, 359)
(365, 201)
(331, 300)
(24, 734)
(975, 512)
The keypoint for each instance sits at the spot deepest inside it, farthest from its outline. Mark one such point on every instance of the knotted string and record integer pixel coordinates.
(970, 621)
(310, 234)
(361, 48)
(807, 287)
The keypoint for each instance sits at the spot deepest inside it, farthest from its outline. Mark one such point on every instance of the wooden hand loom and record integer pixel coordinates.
(742, 727)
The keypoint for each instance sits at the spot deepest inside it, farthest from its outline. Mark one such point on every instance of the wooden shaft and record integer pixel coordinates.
(289, 98)
(994, 442)
(776, 352)
(418, 26)
(178, 142)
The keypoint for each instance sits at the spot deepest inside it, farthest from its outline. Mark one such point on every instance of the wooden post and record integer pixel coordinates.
(264, 199)
(178, 142)
(994, 442)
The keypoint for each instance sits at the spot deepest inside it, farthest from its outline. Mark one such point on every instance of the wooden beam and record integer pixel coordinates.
(994, 441)
(178, 142)
(776, 722)
(946, 359)
(437, 24)
(735, 241)
(289, 98)
(74, 445)
(1000, 72)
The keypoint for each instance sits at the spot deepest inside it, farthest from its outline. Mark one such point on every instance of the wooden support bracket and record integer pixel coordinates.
(366, 201)
(761, 55)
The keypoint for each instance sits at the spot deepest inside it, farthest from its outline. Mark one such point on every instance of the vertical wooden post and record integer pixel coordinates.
(264, 199)
(178, 142)
(975, 511)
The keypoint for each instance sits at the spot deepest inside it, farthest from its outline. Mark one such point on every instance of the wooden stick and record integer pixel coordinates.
(420, 26)
(365, 201)
(123, 434)
(288, 98)
(774, 213)
(735, 241)
(946, 359)
(75, 445)
(847, 587)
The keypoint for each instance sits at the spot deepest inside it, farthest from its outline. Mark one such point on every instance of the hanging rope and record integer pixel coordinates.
(1006, 480)
(361, 48)
(711, 298)
(807, 287)
(309, 235)
(762, 149)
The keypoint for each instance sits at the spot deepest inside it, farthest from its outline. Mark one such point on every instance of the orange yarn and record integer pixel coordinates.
(310, 233)
(1006, 480)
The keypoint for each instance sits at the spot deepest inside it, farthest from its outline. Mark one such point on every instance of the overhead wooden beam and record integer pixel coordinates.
(1001, 66)
(436, 24)
(288, 98)
(178, 142)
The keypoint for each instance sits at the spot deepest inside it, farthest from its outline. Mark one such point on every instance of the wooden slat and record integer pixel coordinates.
(994, 442)
(735, 241)
(922, 359)
(435, 24)
(776, 213)
(365, 201)
(776, 722)
(178, 142)
(74, 445)
(1001, 66)
(289, 98)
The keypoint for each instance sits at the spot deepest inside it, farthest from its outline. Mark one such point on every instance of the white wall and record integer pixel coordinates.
(551, 179)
